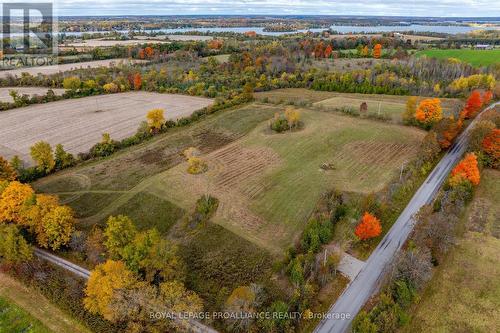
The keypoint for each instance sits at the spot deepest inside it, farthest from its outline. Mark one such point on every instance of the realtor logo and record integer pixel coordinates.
(28, 34)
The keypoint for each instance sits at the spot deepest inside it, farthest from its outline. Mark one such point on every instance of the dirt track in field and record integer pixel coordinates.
(5, 97)
(79, 123)
(47, 70)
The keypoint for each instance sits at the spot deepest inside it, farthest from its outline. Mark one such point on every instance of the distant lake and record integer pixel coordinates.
(450, 29)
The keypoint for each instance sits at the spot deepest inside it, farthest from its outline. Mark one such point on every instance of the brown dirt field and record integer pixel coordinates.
(79, 123)
(47, 70)
(5, 97)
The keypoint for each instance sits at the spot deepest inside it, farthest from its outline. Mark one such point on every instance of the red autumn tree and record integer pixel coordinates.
(137, 81)
(141, 54)
(319, 50)
(466, 169)
(491, 146)
(377, 51)
(369, 227)
(215, 44)
(328, 51)
(473, 105)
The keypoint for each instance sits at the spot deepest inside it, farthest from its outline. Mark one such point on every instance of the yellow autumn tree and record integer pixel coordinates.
(156, 119)
(293, 117)
(13, 200)
(104, 280)
(56, 228)
(42, 154)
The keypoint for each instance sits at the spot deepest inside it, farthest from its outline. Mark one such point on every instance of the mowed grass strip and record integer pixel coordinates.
(476, 58)
(269, 183)
(464, 293)
(25, 310)
(14, 319)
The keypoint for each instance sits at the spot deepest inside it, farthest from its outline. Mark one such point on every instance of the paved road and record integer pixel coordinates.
(196, 326)
(367, 281)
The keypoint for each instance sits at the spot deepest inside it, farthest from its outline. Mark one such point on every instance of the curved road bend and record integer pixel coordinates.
(367, 281)
(196, 326)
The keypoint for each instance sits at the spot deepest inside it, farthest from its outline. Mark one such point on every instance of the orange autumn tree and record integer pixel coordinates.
(137, 81)
(487, 96)
(466, 170)
(473, 105)
(429, 111)
(369, 227)
(377, 51)
(491, 146)
(328, 51)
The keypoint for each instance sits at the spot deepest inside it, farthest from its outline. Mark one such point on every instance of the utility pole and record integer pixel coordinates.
(402, 168)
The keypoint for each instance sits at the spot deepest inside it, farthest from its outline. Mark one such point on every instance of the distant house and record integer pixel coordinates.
(484, 47)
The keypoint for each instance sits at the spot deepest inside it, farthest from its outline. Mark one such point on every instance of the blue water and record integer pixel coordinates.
(339, 28)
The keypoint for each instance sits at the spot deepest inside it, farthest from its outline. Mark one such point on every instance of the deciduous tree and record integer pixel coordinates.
(369, 227)
(429, 111)
(473, 105)
(377, 51)
(104, 280)
(491, 145)
(119, 232)
(41, 152)
(56, 228)
(466, 170)
(156, 119)
(7, 172)
(13, 200)
(14, 248)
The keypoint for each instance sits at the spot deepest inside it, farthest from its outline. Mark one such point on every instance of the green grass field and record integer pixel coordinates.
(476, 58)
(268, 184)
(13, 319)
(464, 294)
(388, 105)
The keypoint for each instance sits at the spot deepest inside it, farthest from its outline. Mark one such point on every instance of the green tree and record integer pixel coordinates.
(63, 159)
(41, 152)
(163, 262)
(120, 231)
(13, 247)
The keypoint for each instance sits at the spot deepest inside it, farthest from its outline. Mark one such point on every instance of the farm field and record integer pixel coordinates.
(31, 312)
(6, 98)
(53, 69)
(265, 188)
(268, 184)
(79, 123)
(464, 293)
(390, 105)
(476, 58)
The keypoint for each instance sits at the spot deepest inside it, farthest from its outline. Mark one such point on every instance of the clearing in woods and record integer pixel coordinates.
(470, 275)
(267, 183)
(78, 124)
(389, 105)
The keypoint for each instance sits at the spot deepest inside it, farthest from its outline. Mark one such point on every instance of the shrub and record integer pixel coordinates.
(196, 166)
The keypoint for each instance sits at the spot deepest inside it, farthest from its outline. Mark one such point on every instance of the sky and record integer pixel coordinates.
(424, 8)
